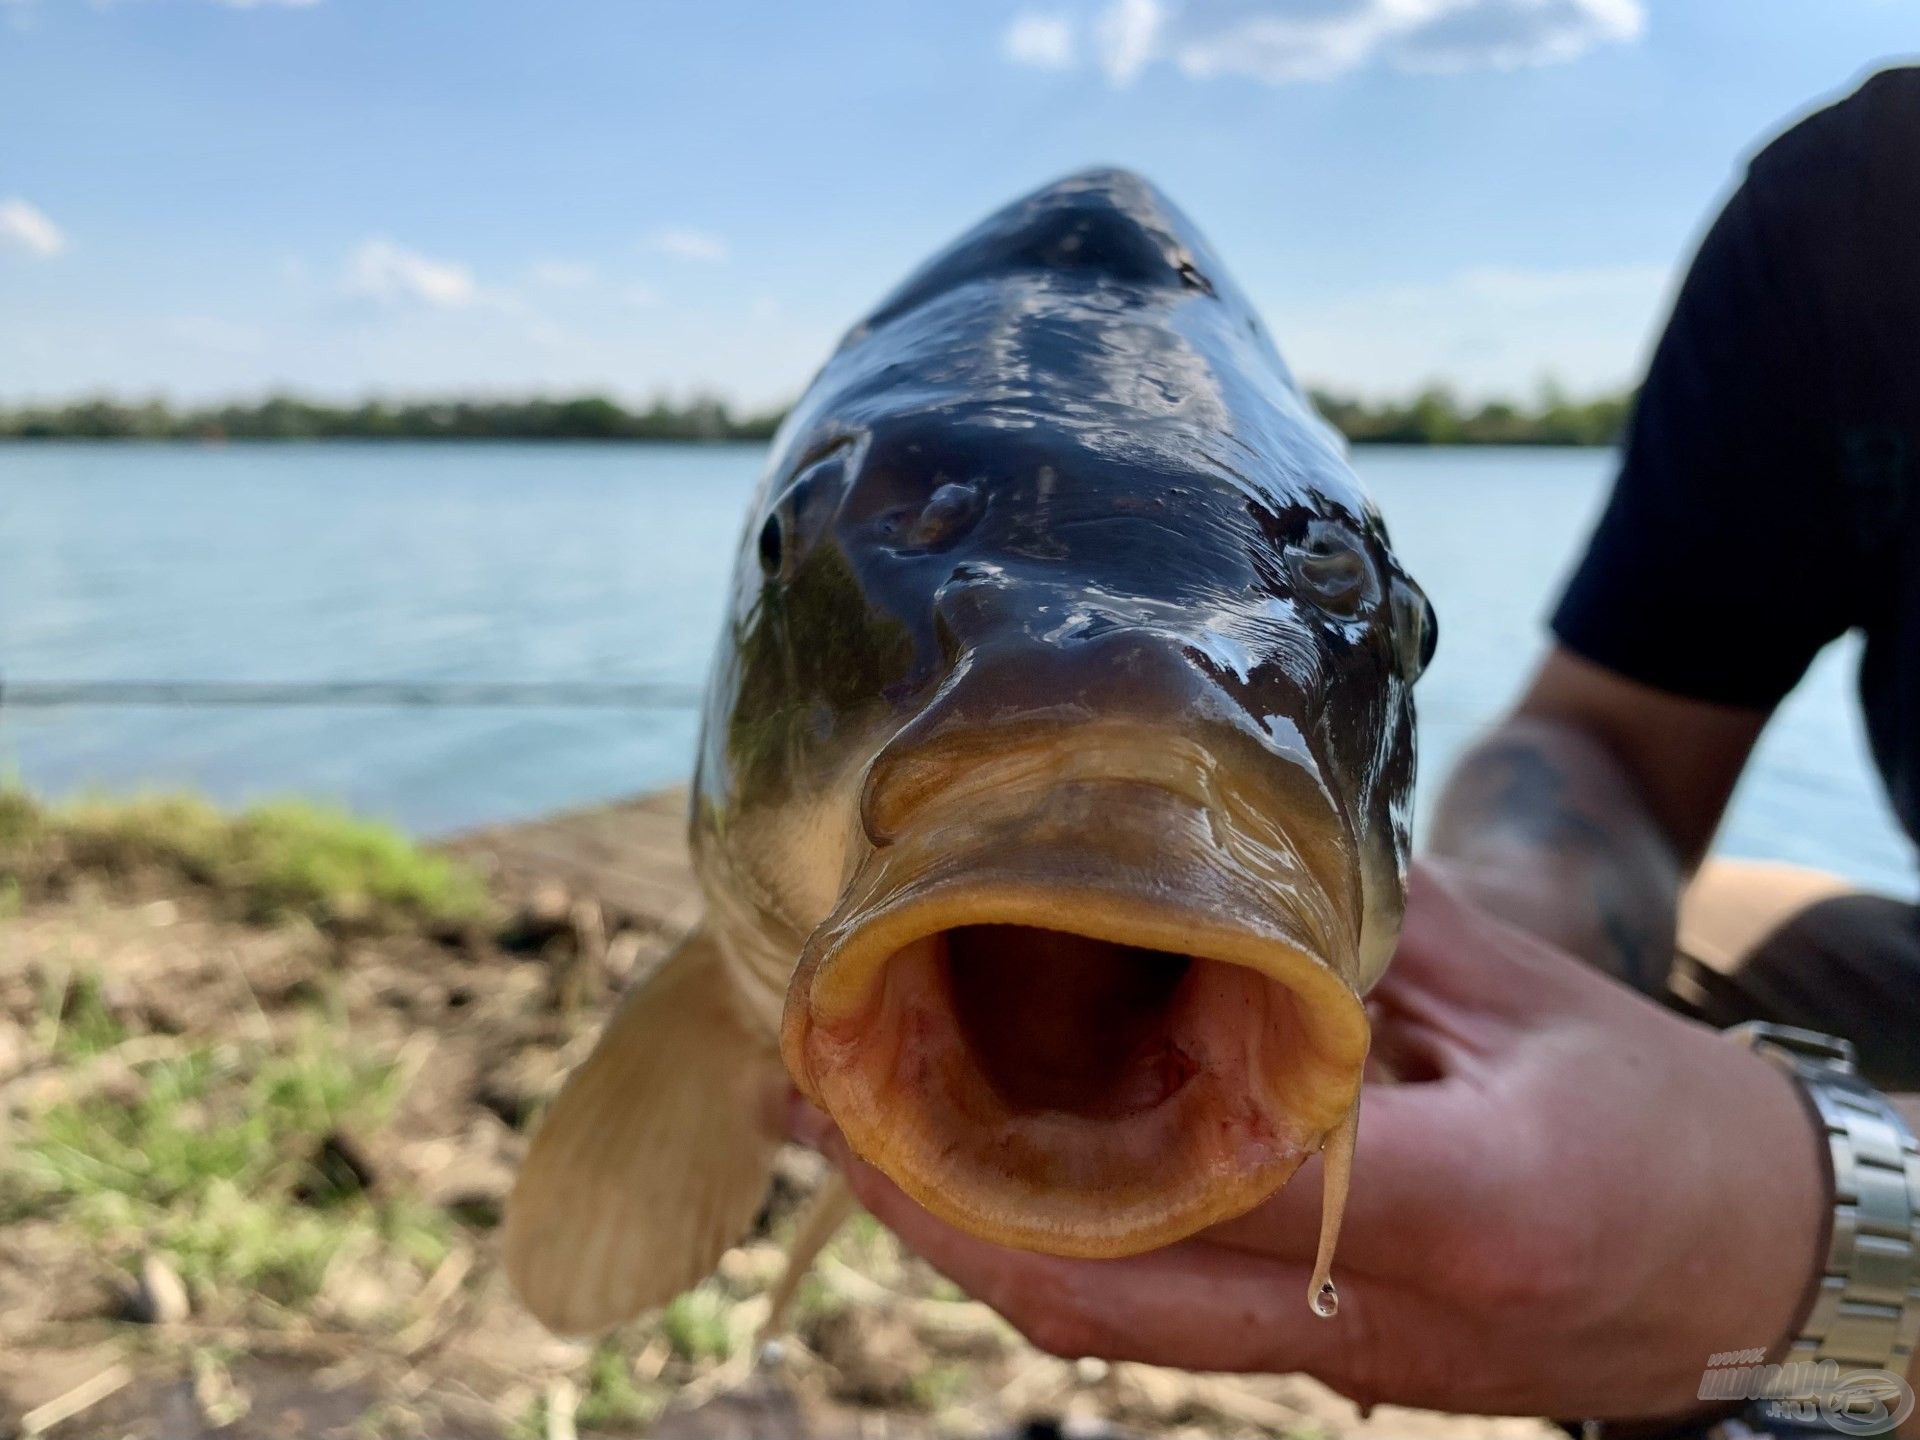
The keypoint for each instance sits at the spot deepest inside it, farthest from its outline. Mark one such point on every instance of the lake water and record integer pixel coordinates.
(530, 563)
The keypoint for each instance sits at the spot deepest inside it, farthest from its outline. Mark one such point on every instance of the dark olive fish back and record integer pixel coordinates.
(1063, 451)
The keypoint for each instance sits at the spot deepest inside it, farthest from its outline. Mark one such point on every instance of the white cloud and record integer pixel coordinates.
(1126, 34)
(383, 271)
(1285, 41)
(26, 228)
(561, 274)
(641, 297)
(1510, 34)
(689, 245)
(1043, 41)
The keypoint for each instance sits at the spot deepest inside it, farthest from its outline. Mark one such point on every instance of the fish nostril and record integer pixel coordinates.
(952, 511)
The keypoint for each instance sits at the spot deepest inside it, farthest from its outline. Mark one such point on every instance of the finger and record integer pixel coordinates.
(1091, 1307)
(1429, 1172)
(1196, 1305)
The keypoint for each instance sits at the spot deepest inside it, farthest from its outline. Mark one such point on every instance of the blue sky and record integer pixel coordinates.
(210, 197)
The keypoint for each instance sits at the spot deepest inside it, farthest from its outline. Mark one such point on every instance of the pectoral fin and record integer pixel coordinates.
(655, 1156)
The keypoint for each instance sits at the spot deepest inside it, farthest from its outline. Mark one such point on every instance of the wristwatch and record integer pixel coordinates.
(1866, 1309)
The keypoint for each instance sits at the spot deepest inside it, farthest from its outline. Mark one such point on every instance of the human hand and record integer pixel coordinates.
(1563, 1204)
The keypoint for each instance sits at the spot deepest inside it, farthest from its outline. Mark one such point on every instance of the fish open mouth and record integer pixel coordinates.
(1051, 1054)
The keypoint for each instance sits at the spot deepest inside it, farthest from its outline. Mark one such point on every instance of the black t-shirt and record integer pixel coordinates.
(1769, 498)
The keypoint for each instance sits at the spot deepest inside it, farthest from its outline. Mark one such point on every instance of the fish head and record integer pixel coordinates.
(1064, 728)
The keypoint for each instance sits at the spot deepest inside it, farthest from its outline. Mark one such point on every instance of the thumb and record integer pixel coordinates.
(1428, 1168)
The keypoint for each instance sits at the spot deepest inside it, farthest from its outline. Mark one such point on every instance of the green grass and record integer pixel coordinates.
(938, 1386)
(20, 817)
(275, 861)
(866, 1245)
(204, 1162)
(612, 1396)
(697, 1325)
(77, 1019)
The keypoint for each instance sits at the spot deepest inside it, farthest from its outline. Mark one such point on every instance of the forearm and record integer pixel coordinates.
(1550, 832)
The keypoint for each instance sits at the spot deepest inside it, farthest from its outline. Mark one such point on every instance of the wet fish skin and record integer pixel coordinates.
(1065, 445)
(1057, 606)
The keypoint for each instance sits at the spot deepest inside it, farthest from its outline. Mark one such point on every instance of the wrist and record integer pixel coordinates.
(1859, 1324)
(1802, 1218)
(1759, 1227)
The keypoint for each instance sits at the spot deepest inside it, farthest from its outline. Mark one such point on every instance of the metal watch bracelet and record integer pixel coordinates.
(1866, 1309)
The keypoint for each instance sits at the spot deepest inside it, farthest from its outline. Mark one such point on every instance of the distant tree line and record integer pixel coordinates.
(1435, 416)
(288, 417)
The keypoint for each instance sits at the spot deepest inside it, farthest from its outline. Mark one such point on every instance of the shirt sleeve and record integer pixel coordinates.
(1712, 572)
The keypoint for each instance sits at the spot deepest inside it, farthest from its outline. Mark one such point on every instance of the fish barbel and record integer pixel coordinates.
(1051, 811)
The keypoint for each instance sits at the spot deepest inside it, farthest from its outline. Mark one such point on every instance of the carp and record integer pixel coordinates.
(1051, 808)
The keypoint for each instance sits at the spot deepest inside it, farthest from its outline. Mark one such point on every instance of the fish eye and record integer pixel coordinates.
(1331, 568)
(1416, 629)
(773, 545)
(802, 514)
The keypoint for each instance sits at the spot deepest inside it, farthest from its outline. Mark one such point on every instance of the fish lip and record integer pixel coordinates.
(1255, 806)
(976, 767)
(914, 889)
